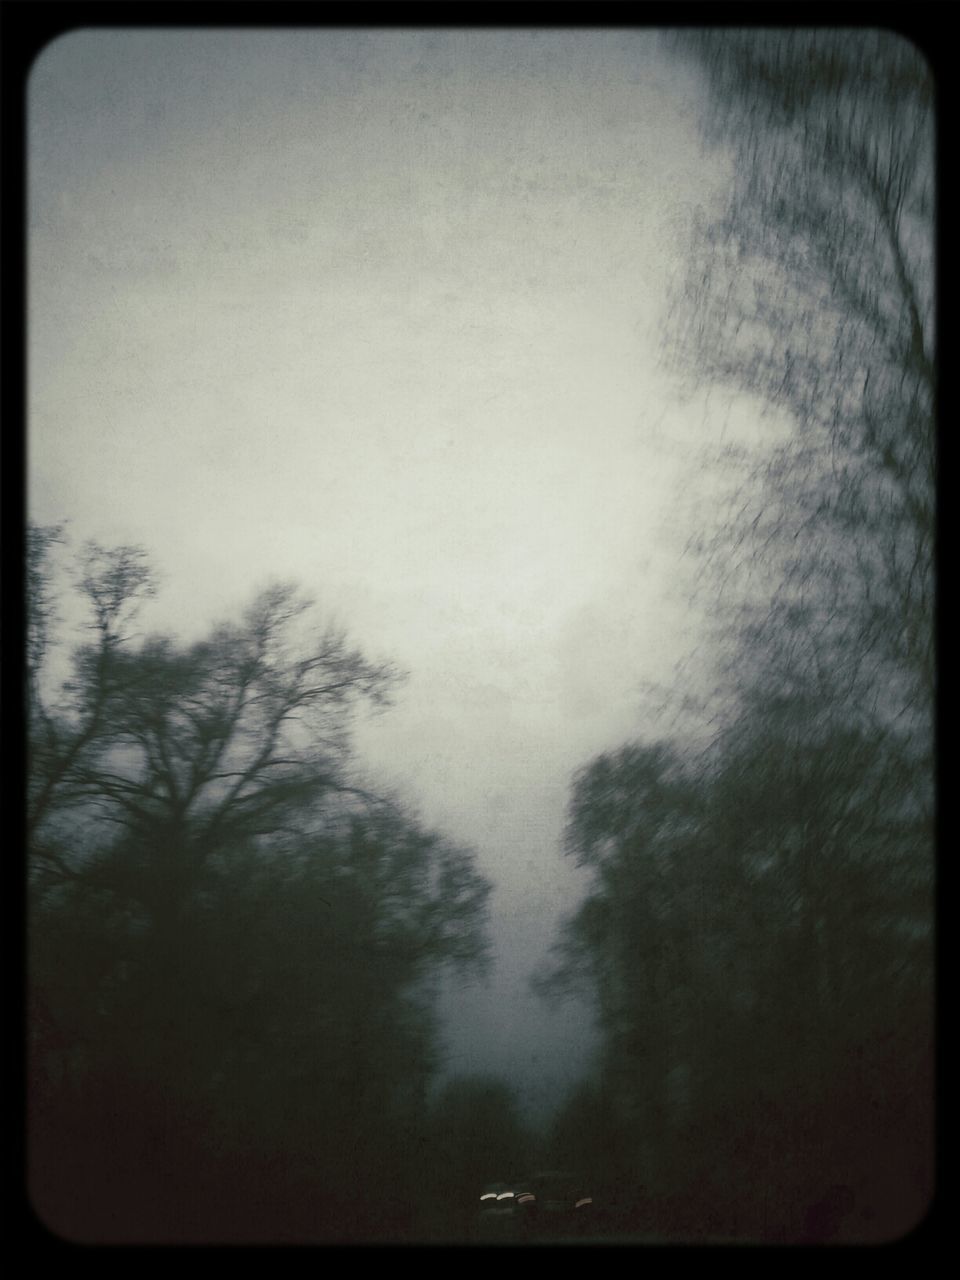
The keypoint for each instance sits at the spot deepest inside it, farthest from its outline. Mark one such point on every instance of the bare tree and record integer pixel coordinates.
(757, 931)
(813, 292)
(232, 942)
(189, 745)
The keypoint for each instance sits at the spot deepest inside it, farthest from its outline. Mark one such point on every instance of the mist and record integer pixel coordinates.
(401, 758)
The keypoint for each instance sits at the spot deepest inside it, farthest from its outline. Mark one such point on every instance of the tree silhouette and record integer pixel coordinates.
(813, 292)
(233, 942)
(758, 928)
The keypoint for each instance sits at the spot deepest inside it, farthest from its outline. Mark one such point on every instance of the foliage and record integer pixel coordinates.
(813, 291)
(758, 931)
(232, 942)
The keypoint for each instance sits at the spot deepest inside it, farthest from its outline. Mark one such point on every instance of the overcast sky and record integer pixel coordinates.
(380, 311)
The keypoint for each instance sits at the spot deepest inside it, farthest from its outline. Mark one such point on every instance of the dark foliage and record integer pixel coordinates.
(232, 944)
(758, 934)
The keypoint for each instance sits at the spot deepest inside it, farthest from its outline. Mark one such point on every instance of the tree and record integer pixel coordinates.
(754, 935)
(233, 942)
(758, 929)
(41, 612)
(232, 733)
(640, 941)
(114, 583)
(813, 292)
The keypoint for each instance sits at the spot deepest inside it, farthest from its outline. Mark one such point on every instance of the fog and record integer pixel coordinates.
(379, 312)
(392, 316)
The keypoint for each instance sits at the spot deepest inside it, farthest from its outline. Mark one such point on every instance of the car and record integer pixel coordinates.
(497, 1214)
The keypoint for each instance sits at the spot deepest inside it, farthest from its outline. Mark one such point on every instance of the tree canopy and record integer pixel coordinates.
(233, 940)
(758, 929)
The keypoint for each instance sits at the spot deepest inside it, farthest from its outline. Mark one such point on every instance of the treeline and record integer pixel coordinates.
(232, 944)
(759, 931)
(758, 939)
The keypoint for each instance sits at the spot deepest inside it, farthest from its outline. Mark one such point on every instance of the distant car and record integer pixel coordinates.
(554, 1203)
(498, 1211)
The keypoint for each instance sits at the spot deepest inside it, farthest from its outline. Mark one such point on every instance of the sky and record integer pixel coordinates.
(380, 311)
